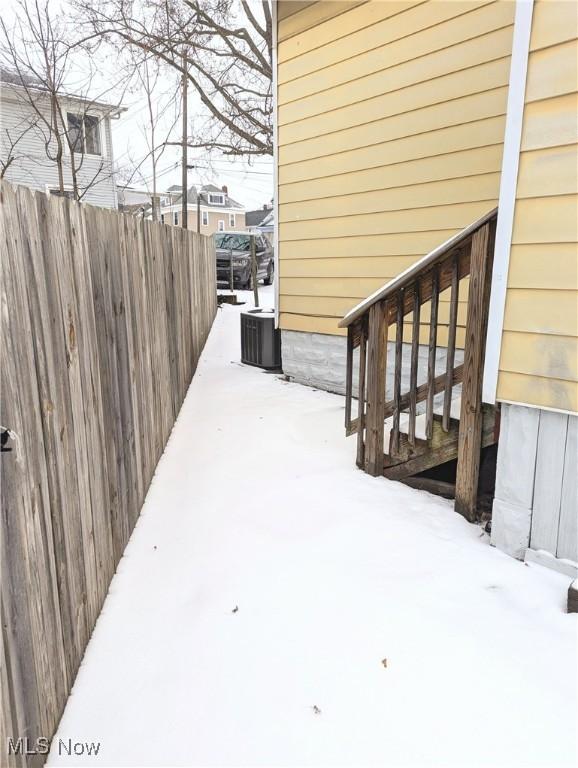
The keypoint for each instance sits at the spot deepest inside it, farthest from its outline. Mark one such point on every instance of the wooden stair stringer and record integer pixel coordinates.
(410, 460)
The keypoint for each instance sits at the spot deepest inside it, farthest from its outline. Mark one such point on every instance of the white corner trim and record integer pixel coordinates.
(507, 199)
(275, 172)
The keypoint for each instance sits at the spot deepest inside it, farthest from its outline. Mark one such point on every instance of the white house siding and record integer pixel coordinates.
(33, 168)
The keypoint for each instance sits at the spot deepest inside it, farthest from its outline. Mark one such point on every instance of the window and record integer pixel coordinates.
(221, 225)
(75, 132)
(235, 242)
(205, 219)
(232, 220)
(216, 198)
(69, 193)
(92, 134)
(176, 219)
(84, 133)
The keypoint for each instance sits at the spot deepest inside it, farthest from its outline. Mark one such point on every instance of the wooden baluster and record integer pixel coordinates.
(470, 436)
(376, 371)
(394, 443)
(414, 364)
(349, 376)
(431, 362)
(361, 396)
(451, 349)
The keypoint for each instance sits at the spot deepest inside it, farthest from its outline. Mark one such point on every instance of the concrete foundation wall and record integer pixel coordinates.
(535, 505)
(320, 360)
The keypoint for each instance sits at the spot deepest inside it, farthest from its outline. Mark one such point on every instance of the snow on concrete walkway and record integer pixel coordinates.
(267, 579)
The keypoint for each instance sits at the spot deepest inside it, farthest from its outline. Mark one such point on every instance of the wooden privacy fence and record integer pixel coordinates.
(104, 317)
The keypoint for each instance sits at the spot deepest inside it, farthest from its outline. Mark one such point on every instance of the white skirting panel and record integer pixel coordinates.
(536, 504)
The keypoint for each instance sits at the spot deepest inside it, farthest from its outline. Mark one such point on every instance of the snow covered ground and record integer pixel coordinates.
(276, 606)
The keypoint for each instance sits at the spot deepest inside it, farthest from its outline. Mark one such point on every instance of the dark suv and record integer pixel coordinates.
(237, 245)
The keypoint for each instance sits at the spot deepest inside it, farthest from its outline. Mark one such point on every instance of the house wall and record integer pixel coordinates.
(535, 511)
(34, 169)
(539, 350)
(391, 120)
(214, 218)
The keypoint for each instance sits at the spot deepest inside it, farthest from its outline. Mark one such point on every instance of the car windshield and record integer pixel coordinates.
(233, 242)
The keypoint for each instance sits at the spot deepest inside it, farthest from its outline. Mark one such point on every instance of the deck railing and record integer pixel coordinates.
(467, 254)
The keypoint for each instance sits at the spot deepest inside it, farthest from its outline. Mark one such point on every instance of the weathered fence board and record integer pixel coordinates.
(104, 318)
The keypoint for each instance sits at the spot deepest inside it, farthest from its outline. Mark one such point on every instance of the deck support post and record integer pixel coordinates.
(470, 435)
(361, 398)
(376, 377)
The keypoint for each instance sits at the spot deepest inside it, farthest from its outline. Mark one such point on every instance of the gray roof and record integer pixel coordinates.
(22, 80)
(13, 77)
(175, 190)
(254, 218)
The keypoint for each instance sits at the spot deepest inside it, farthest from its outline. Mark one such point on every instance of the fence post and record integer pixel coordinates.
(376, 370)
(470, 434)
(254, 271)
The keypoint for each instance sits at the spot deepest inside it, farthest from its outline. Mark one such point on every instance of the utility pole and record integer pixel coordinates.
(199, 195)
(184, 196)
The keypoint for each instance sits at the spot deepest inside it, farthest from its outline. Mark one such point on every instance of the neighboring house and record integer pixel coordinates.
(23, 140)
(134, 201)
(218, 211)
(261, 222)
(400, 124)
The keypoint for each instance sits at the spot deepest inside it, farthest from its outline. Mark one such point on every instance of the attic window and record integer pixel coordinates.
(84, 133)
(216, 198)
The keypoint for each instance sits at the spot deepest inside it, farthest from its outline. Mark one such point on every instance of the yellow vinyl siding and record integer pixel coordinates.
(538, 361)
(542, 311)
(367, 245)
(425, 145)
(543, 392)
(550, 123)
(472, 53)
(450, 191)
(457, 165)
(548, 173)
(301, 16)
(531, 266)
(376, 32)
(466, 109)
(333, 29)
(457, 216)
(391, 121)
(535, 355)
(396, 46)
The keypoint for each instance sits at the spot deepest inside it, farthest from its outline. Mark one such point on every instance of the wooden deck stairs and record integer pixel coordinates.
(442, 418)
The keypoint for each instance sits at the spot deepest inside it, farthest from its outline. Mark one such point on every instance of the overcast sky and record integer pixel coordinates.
(250, 184)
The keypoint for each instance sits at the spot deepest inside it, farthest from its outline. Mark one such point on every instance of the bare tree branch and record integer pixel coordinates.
(228, 62)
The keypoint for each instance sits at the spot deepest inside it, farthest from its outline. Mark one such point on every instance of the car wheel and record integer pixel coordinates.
(270, 269)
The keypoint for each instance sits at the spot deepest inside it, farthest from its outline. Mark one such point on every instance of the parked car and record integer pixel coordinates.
(238, 246)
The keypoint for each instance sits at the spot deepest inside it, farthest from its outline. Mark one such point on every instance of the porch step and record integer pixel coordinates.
(420, 420)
